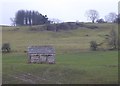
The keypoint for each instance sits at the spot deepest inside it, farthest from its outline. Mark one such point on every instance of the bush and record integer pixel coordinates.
(63, 26)
(93, 45)
(6, 48)
(51, 27)
(91, 26)
(100, 21)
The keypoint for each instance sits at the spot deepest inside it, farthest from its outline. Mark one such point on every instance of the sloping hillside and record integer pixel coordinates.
(64, 41)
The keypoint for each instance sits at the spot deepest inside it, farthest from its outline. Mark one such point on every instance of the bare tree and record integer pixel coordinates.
(111, 17)
(13, 21)
(92, 15)
(55, 20)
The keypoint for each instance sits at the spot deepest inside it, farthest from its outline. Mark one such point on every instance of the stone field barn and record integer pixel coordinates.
(41, 54)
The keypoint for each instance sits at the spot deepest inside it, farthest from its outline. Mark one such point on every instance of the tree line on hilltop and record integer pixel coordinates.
(28, 18)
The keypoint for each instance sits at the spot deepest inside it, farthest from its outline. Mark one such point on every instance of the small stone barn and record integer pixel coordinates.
(41, 54)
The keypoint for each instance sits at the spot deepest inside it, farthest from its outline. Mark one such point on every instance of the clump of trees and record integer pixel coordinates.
(28, 17)
(112, 40)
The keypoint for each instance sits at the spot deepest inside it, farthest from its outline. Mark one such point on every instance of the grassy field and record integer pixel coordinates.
(81, 68)
(74, 62)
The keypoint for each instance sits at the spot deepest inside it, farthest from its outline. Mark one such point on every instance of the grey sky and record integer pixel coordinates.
(65, 10)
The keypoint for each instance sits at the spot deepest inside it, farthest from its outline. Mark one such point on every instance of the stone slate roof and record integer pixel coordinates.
(41, 49)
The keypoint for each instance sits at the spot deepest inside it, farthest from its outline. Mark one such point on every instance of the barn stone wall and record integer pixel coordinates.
(41, 58)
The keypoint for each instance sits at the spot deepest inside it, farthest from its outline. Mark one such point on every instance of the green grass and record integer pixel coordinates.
(82, 68)
(75, 64)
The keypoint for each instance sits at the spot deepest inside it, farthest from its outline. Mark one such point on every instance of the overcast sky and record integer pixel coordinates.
(65, 10)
